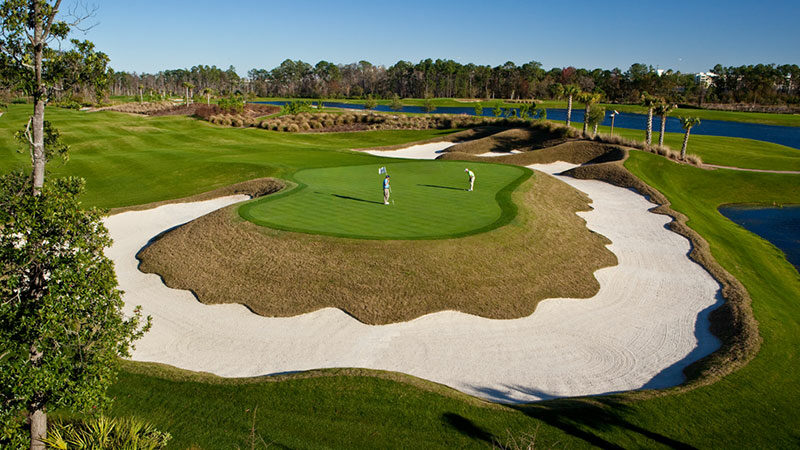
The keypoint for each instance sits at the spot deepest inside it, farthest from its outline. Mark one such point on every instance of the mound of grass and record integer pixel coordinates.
(225, 260)
(429, 200)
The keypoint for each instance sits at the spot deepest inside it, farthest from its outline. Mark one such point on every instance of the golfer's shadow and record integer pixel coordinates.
(356, 199)
(442, 187)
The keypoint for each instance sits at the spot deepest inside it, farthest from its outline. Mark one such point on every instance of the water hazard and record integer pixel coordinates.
(788, 136)
(780, 226)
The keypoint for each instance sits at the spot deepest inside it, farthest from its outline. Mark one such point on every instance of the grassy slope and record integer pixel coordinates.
(224, 259)
(430, 201)
(754, 407)
(130, 160)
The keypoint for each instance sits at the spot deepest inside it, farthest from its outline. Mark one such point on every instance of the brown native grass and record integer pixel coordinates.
(501, 274)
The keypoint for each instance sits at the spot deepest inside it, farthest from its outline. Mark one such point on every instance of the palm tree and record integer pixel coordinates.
(207, 92)
(687, 123)
(594, 117)
(649, 102)
(570, 91)
(189, 87)
(588, 99)
(663, 109)
(141, 94)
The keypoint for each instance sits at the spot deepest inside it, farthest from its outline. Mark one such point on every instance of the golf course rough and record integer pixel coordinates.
(429, 201)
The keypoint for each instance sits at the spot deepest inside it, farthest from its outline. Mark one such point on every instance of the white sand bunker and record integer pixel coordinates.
(420, 151)
(648, 321)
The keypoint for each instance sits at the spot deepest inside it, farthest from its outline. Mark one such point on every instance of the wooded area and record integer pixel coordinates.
(764, 84)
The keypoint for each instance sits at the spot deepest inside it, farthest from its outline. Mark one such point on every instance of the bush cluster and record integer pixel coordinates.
(664, 151)
(306, 121)
(142, 108)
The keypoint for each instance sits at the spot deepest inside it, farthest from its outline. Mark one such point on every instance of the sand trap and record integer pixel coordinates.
(648, 321)
(493, 154)
(421, 151)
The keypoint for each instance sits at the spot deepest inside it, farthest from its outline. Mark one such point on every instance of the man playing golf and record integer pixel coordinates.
(471, 175)
(386, 190)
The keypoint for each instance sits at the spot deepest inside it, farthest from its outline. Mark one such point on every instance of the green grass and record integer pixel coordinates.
(429, 200)
(129, 160)
(755, 407)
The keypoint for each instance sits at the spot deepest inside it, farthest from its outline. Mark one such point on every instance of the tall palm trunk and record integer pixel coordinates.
(649, 137)
(569, 110)
(685, 143)
(663, 127)
(586, 118)
(594, 130)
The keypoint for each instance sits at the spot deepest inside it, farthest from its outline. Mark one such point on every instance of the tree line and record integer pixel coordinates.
(763, 84)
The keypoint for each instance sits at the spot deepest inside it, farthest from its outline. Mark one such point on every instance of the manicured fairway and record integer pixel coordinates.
(131, 160)
(429, 200)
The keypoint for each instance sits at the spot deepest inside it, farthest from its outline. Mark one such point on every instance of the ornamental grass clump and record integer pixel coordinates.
(103, 432)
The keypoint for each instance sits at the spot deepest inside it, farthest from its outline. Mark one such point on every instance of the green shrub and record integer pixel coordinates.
(103, 432)
(370, 102)
(295, 107)
(68, 104)
(233, 104)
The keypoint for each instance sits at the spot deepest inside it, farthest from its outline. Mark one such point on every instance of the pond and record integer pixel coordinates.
(788, 136)
(780, 226)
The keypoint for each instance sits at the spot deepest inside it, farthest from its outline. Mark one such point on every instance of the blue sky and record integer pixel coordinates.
(690, 36)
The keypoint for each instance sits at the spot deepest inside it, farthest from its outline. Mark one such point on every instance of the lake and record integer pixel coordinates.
(780, 226)
(788, 136)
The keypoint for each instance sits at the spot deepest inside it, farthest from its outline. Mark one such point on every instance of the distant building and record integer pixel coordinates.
(660, 71)
(704, 78)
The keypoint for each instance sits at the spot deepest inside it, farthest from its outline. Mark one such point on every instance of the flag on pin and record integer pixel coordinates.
(382, 170)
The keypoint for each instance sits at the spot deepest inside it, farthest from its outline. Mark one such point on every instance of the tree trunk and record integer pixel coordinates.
(649, 137)
(569, 109)
(594, 131)
(685, 143)
(208, 99)
(586, 119)
(187, 95)
(38, 105)
(38, 420)
(663, 127)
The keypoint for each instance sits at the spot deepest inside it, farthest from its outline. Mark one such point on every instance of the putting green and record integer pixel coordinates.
(429, 201)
